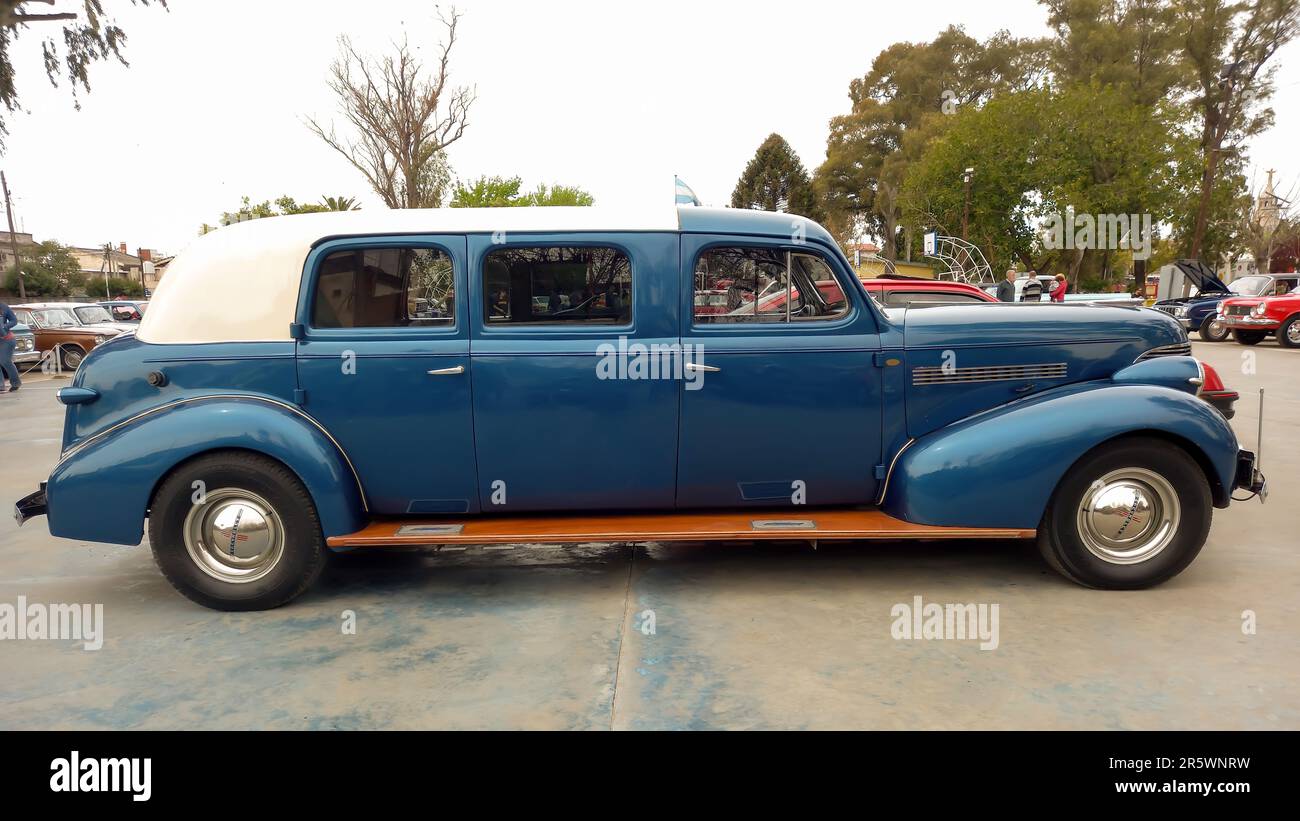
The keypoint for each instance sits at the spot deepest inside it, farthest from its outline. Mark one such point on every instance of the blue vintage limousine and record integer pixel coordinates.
(474, 376)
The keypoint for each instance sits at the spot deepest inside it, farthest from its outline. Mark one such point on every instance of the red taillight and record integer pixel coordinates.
(1212, 383)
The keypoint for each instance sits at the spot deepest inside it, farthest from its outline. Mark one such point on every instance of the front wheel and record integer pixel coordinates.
(1212, 330)
(1249, 337)
(1130, 514)
(236, 531)
(1289, 334)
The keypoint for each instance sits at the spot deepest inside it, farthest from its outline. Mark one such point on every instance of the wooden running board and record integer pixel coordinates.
(674, 526)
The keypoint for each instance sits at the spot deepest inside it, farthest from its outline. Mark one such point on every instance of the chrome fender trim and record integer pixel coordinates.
(880, 500)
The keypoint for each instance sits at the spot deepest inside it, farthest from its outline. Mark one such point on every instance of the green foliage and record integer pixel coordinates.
(339, 204)
(49, 269)
(117, 286)
(89, 38)
(248, 210)
(505, 192)
(775, 180)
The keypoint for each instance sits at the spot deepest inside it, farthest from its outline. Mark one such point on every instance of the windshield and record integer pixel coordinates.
(92, 314)
(1248, 286)
(55, 318)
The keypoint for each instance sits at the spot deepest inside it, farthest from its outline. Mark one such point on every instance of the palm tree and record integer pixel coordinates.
(340, 203)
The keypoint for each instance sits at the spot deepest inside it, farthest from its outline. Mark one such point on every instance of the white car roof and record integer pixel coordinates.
(240, 282)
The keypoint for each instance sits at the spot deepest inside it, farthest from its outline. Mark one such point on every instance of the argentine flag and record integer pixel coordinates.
(685, 196)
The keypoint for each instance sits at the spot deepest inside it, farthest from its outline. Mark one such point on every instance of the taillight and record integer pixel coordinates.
(1211, 383)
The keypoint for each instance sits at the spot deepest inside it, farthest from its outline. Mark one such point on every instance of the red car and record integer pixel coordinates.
(1251, 319)
(903, 292)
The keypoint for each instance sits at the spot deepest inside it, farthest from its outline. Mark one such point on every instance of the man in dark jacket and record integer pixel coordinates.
(1007, 287)
(7, 369)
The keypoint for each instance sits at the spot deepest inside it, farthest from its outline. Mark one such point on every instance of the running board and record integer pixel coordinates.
(676, 526)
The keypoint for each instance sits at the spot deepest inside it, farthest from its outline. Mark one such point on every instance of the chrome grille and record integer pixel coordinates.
(996, 373)
(1237, 310)
(1180, 349)
(1169, 309)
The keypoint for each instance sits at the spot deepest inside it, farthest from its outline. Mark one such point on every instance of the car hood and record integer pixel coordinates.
(1202, 276)
(966, 359)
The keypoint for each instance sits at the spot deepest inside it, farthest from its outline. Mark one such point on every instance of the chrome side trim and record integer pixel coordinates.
(931, 375)
(89, 440)
(880, 500)
(1178, 349)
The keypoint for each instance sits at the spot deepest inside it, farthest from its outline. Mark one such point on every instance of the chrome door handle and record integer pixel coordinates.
(694, 368)
(447, 371)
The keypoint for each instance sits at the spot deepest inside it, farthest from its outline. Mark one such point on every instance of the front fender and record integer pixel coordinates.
(999, 469)
(101, 488)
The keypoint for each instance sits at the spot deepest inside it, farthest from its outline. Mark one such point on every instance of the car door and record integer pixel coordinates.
(383, 365)
(785, 407)
(561, 422)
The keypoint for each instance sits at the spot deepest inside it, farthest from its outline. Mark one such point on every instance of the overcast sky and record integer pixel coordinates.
(614, 97)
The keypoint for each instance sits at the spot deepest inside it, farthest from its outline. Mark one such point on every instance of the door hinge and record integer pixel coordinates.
(882, 360)
(880, 472)
(296, 330)
(299, 396)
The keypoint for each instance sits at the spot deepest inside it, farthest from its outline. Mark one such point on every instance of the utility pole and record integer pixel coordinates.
(965, 209)
(13, 238)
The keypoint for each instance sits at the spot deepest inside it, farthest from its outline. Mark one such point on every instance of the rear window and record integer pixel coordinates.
(384, 288)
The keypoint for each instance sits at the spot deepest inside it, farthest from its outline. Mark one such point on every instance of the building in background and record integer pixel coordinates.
(25, 243)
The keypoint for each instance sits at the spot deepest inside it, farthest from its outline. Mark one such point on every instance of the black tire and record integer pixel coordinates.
(303, 552)
(1288, 336)
(1063, 546)
(1249, 337)
(1208, 332)
(70, 357)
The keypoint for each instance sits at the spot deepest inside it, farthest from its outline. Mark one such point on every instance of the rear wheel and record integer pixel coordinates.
(70, 357)
(236, 531)
(1212, 330)
(1289, 334)
(1131, 514)
(1249, 337)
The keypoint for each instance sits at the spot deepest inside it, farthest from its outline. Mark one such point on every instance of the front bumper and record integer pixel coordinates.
(30, 506)
(1248, 476)
(1253, 323)
(27, 356)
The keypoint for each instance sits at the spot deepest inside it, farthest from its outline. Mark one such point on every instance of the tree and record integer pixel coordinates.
(86, 41)
(282, 206)
(506, 192)
(49, 269)
(909, 90)
(1229, 44)
(401, 120)
(339, 203)
(775, 180)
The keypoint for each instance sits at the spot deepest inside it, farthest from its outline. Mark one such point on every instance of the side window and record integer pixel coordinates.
(384, 288)
(765, 285)
(922, 298)
(557, 285)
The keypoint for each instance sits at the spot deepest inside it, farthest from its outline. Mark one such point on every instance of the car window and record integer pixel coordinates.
(557, 285)
(55, 318)
(765, 285)
(918, 298)
(384, 288)
(92, 314)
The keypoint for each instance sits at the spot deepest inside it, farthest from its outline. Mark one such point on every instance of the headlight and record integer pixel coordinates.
(100, 340)
(1180, 311)
(1258, 310)
(26, 344)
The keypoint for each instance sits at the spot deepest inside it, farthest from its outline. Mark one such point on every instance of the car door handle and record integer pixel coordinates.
(1026, 388)
(447, 371)
(694, 368)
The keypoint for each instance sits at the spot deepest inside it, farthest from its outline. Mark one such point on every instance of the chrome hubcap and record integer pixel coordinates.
(1216, 328)
(1128, 516)
(1293, 332)
(234, 535)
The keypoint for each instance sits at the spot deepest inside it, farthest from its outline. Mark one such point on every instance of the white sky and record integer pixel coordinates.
(613, 97)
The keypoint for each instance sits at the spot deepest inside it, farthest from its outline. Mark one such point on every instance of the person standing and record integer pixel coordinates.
(1059, 289)
(1033, 290)
(8, 370)
(1007, 287)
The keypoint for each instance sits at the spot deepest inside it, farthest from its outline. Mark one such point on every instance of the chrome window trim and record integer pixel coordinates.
(84, 443)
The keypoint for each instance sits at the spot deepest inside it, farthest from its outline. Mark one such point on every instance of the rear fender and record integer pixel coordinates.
(101, 489)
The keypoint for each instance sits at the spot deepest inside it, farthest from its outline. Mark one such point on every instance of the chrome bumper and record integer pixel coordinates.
(1248, 476)
(1248, 322)
(30, 506)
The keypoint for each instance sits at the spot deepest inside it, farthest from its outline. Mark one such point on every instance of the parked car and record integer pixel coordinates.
(87, 314)
(1048, 281)
(60, 335)
(25, 352)
(254, 441)
(125, 311)
(913, 292)
(1200, 311)
(1253, 319)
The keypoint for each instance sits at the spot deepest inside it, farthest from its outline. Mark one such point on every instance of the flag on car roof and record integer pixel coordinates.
(685, 196)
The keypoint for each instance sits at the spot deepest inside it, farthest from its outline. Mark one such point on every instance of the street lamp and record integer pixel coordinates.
(965, 210)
